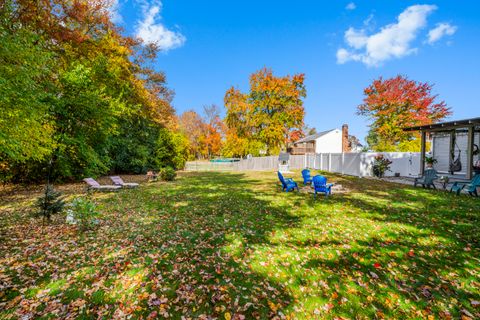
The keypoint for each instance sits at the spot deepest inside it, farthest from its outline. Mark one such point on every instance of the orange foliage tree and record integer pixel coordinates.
(205, 134)
(394, 104)
(214, 130)
(192, 126)
(266, 118)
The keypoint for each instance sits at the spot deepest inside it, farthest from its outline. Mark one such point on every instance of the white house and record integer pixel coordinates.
(330, 141)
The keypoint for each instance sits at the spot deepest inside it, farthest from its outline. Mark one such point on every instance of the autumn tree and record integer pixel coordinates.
(204, 133)
(267, 117)
(192, 126)
(82, 97)
(397, 103)
(214, 130)
(308, 131)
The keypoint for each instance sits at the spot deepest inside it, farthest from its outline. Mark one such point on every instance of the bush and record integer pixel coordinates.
(50, 203)
(430, 160)
(380, 165)
(168, 174)
(83, 212)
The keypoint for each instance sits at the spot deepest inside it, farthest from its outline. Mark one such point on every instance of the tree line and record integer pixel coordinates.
(270, 115)
(78, 98)
(260, 122)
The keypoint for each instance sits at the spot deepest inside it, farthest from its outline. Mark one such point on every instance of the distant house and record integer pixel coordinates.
(330, 141)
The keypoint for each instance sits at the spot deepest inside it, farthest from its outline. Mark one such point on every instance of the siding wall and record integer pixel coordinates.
(441, 150)
(330, 142)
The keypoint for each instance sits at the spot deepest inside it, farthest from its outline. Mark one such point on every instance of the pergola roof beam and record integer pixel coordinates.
(446, 125)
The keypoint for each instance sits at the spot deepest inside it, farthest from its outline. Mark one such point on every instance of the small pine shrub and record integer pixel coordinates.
(168, 174)
(83, 212)
(50, 203)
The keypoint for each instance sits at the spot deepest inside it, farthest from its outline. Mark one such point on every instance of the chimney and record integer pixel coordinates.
(345, 143)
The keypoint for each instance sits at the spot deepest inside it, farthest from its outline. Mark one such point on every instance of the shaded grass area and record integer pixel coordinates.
(232, 245)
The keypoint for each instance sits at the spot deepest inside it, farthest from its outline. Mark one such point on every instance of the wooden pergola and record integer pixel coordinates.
(452, 127)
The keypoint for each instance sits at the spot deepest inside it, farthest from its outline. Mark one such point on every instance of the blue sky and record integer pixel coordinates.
(341, 46)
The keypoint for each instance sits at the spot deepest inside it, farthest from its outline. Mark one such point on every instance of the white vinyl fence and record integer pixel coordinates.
(360, 163)
(356, 164)
(254, 163)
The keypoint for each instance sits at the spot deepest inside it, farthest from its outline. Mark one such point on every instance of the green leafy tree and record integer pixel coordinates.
(26, 129)
(171, 150)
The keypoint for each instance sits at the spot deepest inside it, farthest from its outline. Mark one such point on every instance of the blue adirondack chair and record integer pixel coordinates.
(287, 184)
(427, 179)
(320, 185)
(307, 178)
(470, 187)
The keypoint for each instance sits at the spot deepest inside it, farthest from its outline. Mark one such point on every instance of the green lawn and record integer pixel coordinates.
(233, 246)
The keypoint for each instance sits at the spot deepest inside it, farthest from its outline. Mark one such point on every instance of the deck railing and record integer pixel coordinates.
(301, 150)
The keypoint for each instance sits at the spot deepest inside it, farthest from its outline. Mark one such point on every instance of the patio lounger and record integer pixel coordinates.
(470, 187)
(94, 185)
(320, 185)
(287, 184)
(427, 180)
(119, 182)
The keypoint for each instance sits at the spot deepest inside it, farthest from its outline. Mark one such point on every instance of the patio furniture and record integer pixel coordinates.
(94, 185)
(320, 185)
(152, 176)
(284, 162)
(444, 180)
(470, 187)
(307, 178)
(476, 167)
(118, 181)
(287, 184)
(427, 179)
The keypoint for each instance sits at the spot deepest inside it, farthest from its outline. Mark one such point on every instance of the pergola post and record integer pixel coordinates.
(422, 152)
(470, 152)
(451, 150)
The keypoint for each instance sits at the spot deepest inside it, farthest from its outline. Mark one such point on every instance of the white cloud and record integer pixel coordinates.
(152, 31)
(356, 38)
(344, 55)
(441, 30)
(392, 41)
(113, 8)
(367, 22)
(351, 6)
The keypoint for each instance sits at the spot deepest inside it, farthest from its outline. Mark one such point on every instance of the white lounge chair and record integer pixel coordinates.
(119, 182)
(94, 185)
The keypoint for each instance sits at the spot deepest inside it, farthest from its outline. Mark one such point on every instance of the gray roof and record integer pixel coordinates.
(313, 136)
